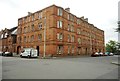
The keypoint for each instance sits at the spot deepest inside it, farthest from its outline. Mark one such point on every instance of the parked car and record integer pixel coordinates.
(111, 54)
(96, 54)
(104, 54)
(1, 53)
(117, 53)
(101, 54)
(8, 54)
(107, 53)
(29, 52)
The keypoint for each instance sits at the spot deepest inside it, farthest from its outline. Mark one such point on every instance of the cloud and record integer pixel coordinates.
(101, 13)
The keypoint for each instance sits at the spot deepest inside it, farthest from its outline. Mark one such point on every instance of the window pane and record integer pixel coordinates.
(40, 37)
(59, 24)
(57, 35)
(40, 15)
(61, 36)
(68, 49)
(59, 12)
(40, 25)
(59, 49)
(32, 27)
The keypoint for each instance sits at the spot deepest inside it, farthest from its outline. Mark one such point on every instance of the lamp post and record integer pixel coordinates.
(44, 55)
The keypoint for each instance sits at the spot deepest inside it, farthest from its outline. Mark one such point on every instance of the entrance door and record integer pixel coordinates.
(86, 51)
(18, 49)
(37, 50)
(79, 50)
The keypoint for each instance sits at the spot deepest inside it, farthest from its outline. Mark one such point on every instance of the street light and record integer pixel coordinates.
(44, 55)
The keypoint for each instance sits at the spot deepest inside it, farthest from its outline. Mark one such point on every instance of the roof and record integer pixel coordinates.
(13, 30)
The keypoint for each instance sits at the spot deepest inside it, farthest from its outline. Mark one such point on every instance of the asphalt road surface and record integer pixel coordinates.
(60, 68)
(0, 68)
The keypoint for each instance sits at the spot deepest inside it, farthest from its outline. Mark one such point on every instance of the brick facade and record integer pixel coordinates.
(8, 40)
(65, 33)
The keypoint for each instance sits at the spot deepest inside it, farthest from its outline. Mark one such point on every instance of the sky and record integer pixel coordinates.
(102, 13)
(119, 20)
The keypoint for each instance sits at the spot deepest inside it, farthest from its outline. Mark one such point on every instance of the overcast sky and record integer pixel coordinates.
(102, 13)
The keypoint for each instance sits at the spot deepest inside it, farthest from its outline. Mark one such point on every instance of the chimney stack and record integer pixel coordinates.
(67, 9)
(86, 19)
(82, 17)
(29, 13)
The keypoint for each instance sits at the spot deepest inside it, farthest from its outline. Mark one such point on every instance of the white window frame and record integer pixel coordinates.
(69, 49)
(68, 16)
(32, 38)
(73, 49)
(59, 24)
(79, 41)
(6, 35)
(60, 49)
(40, 15)
(78, 31)
(69, 27)
(78, 21)
(25, 39)
(40, 25)
(72, 28)
(32, 27)
(73, 38)
(25, 29)
(59, 36)
(33, 17)
(69, 38)
(40, 37)
(72, 17)
(60, 12)
(1, 36)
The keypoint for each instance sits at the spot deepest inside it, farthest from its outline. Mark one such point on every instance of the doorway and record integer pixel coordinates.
(18, 49)
(37, 50)
(79, 50)
(86, 51)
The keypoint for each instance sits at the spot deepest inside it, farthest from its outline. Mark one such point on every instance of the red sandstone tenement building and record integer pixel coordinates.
(56, 31)
(8, 39)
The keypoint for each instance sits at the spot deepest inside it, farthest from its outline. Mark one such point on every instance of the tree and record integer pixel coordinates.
(118, 45)
(111, 46)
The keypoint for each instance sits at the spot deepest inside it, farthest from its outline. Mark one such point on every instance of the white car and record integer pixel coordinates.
(101, 54)
(111, 54)
(96, 54)
(8, 54)
(29, 52)
(1, 53)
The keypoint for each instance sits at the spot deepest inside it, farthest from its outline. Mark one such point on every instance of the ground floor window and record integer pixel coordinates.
(59, 49)
(78, 51)
(72, 49)
(68, 49)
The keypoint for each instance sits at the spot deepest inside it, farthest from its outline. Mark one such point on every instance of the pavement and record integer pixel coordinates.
(60, 68)
(0, 68)
(115, 63)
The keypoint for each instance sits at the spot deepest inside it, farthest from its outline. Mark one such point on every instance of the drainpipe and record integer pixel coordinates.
(90, 43)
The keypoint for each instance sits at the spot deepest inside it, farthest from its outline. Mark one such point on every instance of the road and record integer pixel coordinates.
(60, 68)
(0, 68)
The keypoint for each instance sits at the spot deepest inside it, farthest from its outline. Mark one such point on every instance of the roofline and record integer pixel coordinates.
(38, 11)
(65, 11)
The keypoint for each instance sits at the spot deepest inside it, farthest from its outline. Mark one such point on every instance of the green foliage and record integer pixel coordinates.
(118, 45)
(111, 46)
